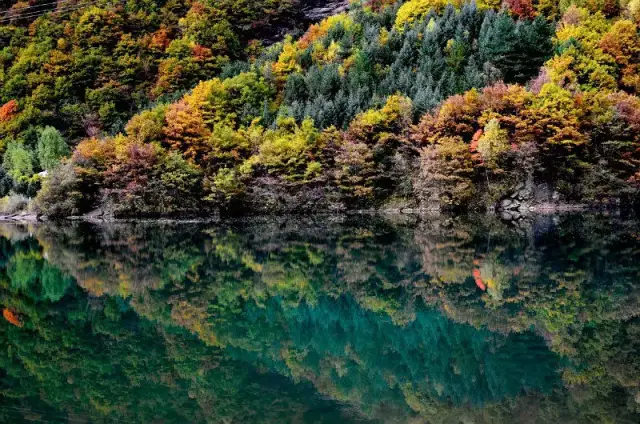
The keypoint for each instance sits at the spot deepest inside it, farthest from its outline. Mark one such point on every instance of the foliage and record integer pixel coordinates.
(51, 148)
(391, 104)
(185, 130)
(445, 175)
(87, 70)
(493, 143)
(60, 195)
(288, 149)
(145, 180)
(6, 182)
(362, 60)
(146, 127)
(554, 122)
(18, 161)
(13, 203)
(414, 10)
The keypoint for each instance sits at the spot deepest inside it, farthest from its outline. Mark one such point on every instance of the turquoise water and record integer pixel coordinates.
(465, 320)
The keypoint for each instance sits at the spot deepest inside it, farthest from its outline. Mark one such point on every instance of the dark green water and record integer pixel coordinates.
(322, 321)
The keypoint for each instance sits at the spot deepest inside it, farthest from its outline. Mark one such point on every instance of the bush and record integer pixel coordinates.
(180, 183)
(444, 180)
(14, 203)
(60, 195)
(6, 183)
(28, 186)
(226, 187)
(287, 149)
(146, 180)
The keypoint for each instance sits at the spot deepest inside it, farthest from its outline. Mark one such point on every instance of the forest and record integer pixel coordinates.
(184, 108)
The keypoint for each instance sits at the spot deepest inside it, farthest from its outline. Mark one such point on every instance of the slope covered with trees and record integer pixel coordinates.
(420, 103)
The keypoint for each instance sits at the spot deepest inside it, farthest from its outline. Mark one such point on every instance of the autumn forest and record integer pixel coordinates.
(182, 108)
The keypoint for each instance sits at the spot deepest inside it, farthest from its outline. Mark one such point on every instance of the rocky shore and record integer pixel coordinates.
(516, 213)
(529, 198)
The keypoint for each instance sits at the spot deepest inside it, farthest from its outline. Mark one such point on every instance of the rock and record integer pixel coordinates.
(541, 193)
(95, 214)
(317, 10)
(511, 205)
(507, 216)
(510, 215)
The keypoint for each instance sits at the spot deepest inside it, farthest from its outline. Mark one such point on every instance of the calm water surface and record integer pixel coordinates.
(465, 320)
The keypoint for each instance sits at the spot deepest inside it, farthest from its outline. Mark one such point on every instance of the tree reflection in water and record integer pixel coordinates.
(322, 320)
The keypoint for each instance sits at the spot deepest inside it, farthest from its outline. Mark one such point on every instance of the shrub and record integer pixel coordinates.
(180, 184)
(60, 194)
(147, 126)
(29, 186)
(226, 187)
(13, 204)
(287, 149)
(6, 183)
(445, 176)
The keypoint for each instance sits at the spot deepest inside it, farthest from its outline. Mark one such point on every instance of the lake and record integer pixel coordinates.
(322, 320)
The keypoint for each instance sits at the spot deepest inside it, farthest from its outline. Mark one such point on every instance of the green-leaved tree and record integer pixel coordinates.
(18, 161)
(51, 148)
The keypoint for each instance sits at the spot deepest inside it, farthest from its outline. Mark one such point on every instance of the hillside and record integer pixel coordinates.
(422, 104)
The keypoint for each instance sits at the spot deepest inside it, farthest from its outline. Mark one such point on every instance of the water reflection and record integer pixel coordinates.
(325, 320)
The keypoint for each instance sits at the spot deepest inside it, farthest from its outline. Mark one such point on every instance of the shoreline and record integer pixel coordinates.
(505, 215)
